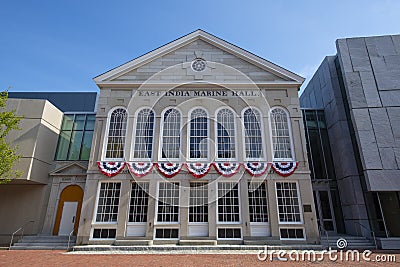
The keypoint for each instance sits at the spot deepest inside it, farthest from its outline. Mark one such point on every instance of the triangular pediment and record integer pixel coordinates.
(73, 168)
(171, 63)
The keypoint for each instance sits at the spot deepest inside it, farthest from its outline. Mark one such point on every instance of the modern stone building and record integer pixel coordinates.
(53, 163)
(200, 109)
(358, 90)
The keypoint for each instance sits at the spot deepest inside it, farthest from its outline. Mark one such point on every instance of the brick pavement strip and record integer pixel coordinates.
(33, 258)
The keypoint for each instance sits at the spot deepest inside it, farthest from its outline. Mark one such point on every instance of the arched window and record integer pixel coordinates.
(281, 140)
(226, 148)
(253, 138)
(143, 148)
(171, 136)
(116, 134)
(198, 134)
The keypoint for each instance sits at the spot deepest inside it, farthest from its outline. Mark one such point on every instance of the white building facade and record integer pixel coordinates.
(198, 142)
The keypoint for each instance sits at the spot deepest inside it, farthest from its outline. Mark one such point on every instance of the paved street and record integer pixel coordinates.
(60, 258)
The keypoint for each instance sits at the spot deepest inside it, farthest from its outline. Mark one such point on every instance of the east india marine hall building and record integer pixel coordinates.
(198, 142)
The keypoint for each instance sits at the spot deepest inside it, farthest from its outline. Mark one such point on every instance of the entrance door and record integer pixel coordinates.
(68, 210)
(68, 218)
(137, 220)
(390, 203)
(324, 210)
(198, 209)
(258, 209)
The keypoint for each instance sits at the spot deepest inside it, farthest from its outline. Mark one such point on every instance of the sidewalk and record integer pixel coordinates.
(61, 258)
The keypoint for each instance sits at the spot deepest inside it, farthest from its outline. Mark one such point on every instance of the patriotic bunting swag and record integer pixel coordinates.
(284, 168)
(256, 168)
(198, 170)
(169, 169)
(111, 168)
(140, 169)
(227, 169)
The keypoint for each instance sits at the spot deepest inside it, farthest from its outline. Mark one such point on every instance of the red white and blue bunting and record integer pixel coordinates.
(257, 168)
(284, 168)
(227, 169)
(169, 169)
(198, 170)
(110, 168)
(140, 169)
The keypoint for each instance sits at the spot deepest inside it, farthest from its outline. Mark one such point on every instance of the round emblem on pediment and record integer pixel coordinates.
(199, 64)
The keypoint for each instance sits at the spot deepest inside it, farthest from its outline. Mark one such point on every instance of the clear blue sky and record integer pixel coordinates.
(61, 45)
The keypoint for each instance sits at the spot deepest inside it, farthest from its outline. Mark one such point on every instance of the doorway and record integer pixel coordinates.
(324, 210)
(68, 211)
(390, 205)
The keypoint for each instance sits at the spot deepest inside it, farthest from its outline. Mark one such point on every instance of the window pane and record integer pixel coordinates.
(253, 138)
(168, 202)
(171, 134)
(281, 142)
(198, 208)
(90, 120)
(198, 134)
(258, 207)
(108, 202)
(116, 134)
(228, 202)
(63, 144)
(139, 202)
(288, 202)
(86, 145)
(76, 141)
(144, 134)
(79, 122)
(226, 134)
(68, 121)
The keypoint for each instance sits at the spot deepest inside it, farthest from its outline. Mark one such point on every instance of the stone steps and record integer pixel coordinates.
(353, 242)
(190, 248)
(41, 242)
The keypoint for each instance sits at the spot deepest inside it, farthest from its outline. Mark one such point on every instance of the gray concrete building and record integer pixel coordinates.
(358, 90)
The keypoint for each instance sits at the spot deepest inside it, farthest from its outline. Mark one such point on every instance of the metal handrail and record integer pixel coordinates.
(321, 229)
(16, 231)
(69, 237)
(372, 232)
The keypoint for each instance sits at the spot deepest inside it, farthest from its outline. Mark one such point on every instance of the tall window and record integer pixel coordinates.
(116, 134)
(281, 142)
(75, 138)
(143, 148)
(253, 137)
(228, 202)
(168, 202)
(258, 207)
(139, 202)
(226, 134)
(288, 202)
(171, 136)
(198, 134)
(108, 202)
(198, 209)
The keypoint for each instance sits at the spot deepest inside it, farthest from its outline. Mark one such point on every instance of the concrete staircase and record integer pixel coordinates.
(353, 242)
(43, 242)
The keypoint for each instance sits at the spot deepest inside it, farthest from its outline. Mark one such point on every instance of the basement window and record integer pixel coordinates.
(229, 233)
(292, 233)
(104, 233)
(167, 233)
